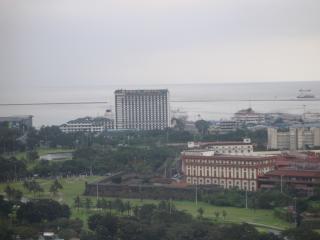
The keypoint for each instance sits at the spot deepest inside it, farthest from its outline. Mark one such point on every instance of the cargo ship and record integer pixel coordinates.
(305, 93)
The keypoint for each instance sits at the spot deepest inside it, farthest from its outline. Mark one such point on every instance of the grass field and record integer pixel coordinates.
(75, 186)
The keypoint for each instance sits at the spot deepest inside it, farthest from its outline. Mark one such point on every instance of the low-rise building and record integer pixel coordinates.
(204, 167)
(226, 126)
(22, 122)
(88, 124)
(248, 117)
(244, 147)
(303, 181)
(311, 117)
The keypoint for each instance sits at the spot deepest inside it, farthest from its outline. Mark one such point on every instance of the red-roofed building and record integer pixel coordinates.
(205, 168)
(303, 181)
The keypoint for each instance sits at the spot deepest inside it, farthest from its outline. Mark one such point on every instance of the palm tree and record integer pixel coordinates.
(33, 186)
(88, 204)
(224, 214)
(109, 205)
(217, 214)
(128, 207)
(77, 202)
(54, 188)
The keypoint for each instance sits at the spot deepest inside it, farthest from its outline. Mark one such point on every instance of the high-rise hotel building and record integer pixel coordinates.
(142, 109)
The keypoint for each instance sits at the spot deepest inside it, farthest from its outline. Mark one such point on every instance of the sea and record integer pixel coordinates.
(197, 101)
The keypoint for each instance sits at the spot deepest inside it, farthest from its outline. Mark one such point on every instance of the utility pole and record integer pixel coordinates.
(281, 183)
(246, 198)
(97, 191)
(197, 193)
(295, 211)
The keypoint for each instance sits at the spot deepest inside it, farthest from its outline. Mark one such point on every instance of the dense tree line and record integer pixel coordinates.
(12, 168)
(28, 220)
(42, 210)
(12, 139)
(164, 221)
(101, 160)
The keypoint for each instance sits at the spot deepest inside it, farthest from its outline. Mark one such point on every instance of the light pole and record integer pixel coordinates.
(295, 211)
(97, 191)
(246, 198)
(197, 193)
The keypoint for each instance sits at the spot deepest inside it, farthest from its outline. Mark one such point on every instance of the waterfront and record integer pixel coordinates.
(210, 101)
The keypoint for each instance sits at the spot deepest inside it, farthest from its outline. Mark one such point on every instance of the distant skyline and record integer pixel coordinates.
(120, 42)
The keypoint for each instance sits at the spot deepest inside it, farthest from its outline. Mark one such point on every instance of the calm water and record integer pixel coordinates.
(238, 96)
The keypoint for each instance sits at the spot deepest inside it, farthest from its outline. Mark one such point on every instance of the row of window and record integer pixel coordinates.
(222, 174)
(225, 183)
(228, 162)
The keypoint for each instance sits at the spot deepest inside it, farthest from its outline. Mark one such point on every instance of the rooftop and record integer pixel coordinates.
(294, 173)
(246, 111)
(15, 118)
(203, 154)
(89, 120)
(141, 91)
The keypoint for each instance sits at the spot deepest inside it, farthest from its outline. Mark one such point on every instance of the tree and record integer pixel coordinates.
(13, 194)
(54, 188)
(179, 124)
(106, 226)
(301, 233)
(5, 207)
(40, 210)
(33, 186)
(128, 207)
(200, 212)
(217, 214)
(118, 205)
(77, 202)
(224, 214)
(202, 126)
(88, 204)
(32, 155)
(12, 168)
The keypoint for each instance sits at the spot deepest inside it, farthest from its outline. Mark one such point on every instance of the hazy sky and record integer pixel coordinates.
(78, 42)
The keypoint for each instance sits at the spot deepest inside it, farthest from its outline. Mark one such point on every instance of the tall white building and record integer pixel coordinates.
(142, 109)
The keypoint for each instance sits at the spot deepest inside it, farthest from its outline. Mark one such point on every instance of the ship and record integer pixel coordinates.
(305, 93)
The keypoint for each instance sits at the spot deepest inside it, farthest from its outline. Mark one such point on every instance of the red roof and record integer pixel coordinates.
(229, 157)
(224, 143)
(294, 173)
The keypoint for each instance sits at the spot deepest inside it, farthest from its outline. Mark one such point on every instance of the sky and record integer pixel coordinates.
(108, 42)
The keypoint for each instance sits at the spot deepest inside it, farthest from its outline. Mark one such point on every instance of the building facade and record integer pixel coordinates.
(226, 126)
(22, 122)
(244, 147)
(295, 138)
(248, 117)
(228, 171)
(88, 124)
(142, 109)
(303, 181)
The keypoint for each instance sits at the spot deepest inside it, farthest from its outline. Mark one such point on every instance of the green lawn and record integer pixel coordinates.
(74, 186)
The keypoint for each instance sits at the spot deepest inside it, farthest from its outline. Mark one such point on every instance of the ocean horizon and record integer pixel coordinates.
(210, 101)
